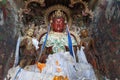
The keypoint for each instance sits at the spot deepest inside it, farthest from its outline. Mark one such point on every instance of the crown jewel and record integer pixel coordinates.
(58, 13)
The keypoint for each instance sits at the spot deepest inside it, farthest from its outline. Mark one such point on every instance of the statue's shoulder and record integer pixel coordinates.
(76, 36)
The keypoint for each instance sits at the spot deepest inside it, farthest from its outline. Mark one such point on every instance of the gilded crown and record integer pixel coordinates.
(58, 14)
(58, 11)
(30, 29)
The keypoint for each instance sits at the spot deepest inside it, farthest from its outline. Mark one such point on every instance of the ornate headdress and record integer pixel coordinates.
(58, 14)
(30, 29)
(58, 11)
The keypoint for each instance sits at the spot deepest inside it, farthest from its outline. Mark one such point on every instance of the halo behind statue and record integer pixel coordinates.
(49, 13)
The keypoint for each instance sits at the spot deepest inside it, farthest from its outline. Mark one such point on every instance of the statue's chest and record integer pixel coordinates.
(86, 42)
(58, 42)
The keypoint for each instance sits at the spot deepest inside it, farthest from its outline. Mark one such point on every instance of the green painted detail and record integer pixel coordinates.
(58, 42)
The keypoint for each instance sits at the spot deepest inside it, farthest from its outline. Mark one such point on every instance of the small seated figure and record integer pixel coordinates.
(90, 50)
(28, 48)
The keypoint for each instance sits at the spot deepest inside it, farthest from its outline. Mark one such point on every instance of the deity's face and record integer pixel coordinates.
(84, 32)
(30, 33)
(58, 24)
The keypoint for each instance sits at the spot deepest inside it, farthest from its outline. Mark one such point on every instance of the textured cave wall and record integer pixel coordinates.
(107, 35)
(7, 37)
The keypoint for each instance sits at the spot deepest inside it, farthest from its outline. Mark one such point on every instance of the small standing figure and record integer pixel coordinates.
(92, 55)
(28, 48)
(90, 50)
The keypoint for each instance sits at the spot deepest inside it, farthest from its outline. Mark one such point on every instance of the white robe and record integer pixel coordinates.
(81, 70)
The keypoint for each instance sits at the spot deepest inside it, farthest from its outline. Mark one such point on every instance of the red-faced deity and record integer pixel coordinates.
(58, 24)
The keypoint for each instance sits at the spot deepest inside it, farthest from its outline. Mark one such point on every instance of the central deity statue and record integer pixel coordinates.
(57, 38)
(59, 57)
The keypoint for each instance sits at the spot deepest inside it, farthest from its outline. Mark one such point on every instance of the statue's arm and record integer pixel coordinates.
(23, 41)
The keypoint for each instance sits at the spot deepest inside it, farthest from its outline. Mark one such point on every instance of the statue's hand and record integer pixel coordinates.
(35, 43)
